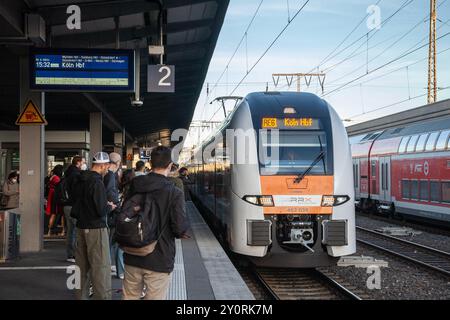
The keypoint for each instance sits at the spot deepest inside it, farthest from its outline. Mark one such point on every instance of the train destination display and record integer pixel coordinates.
(82, 70)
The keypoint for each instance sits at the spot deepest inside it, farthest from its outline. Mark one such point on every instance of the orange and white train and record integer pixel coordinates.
(405, 170)
(276, 180)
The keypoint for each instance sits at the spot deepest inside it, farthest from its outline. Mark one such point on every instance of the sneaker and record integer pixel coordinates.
(91, 291)
(71, 259)
(143, 293)
(121, 276)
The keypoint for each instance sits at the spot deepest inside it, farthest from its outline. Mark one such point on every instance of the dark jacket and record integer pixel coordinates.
(71, 175)
(111, 182)
(91, 206)
(172, 215)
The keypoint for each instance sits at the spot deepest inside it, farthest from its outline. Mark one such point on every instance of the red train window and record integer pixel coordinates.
(446, 192)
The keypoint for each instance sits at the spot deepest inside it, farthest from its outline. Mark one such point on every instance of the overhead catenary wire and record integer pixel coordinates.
(390, 71)
(264, 53)
(238, 45)
(394, 104)
(270, 45)
(382, 66)
(345, 39)
(373, 32)
(352, 54)
(390, 46)
(225, 70)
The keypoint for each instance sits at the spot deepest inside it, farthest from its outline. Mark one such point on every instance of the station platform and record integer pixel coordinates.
(202, 271)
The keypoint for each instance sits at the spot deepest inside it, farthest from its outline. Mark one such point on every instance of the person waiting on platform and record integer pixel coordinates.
(154, 270)
(91, 209)
(10, 198)
(184, 176)
(140, 169)
(173, 176)
(70, 176)
(53, 209)
(111, 181)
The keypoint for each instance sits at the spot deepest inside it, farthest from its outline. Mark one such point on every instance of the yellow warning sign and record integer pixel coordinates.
(30, 115)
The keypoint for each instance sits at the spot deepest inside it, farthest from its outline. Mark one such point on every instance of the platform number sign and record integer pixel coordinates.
(161, 78)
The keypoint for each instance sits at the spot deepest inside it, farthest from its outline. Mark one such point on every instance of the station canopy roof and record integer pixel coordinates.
(190, 32)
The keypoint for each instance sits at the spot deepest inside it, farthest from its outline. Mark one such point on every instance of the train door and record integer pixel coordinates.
(356, 178)
(385, 179)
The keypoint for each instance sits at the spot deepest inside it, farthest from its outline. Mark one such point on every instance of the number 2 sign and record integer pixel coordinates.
(160, 78)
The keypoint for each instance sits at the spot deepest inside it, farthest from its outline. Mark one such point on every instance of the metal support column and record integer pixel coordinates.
(95, 131)
(31, 169)
(118, 142)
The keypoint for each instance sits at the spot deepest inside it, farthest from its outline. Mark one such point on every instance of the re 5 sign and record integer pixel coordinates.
(160, 78)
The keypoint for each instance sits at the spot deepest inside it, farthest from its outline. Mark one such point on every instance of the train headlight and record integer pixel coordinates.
(338, 200)
(264, 201)
(330, 201)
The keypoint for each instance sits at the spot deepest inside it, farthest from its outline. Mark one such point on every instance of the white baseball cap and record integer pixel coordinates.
(100, 157)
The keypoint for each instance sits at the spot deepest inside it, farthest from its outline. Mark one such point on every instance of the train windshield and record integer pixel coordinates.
(293, 152)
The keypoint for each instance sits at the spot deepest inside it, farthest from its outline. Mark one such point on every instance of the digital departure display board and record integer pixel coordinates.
(291, 123)
(82, 70)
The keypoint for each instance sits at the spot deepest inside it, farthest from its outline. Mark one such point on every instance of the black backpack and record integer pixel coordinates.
(62, 192)
(137, 224)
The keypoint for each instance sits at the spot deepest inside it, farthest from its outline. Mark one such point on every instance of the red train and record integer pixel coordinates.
(405, 170)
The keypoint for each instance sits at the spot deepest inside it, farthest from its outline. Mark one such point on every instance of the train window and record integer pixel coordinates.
(441, 143)
(423, 190)
(412, 143)
(403, 143)
(355, 175)
(414, 189)
(446, 192)
(420, 146)
(293, 152)
(405, 189)
(435, 191)
(431, 141)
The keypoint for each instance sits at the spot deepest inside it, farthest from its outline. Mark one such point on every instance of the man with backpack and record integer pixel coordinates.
(64, 197)
(91, 209)
(162, 205)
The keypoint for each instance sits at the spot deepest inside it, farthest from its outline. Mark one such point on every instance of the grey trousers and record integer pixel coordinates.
(93, 258)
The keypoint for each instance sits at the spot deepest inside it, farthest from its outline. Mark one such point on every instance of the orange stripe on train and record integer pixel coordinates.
(284, 185)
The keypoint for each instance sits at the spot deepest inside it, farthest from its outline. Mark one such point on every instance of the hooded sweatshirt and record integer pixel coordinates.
(91, 206)
(172, 221)
(71, 175)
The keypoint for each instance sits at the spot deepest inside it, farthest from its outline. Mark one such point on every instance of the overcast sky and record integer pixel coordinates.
(315, 32)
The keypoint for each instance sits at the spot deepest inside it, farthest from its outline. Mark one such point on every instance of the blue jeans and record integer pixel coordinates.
(117, 256)
(71, 239)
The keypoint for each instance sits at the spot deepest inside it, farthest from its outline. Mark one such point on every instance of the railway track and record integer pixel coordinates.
(310, 284)
(417, 225)
(425, 256)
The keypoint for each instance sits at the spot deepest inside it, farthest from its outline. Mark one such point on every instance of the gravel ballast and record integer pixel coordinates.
(400, 281)
(436, 241)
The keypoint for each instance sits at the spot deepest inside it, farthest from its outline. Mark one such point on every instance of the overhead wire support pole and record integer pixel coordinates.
(320, 76)
(432, 71)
